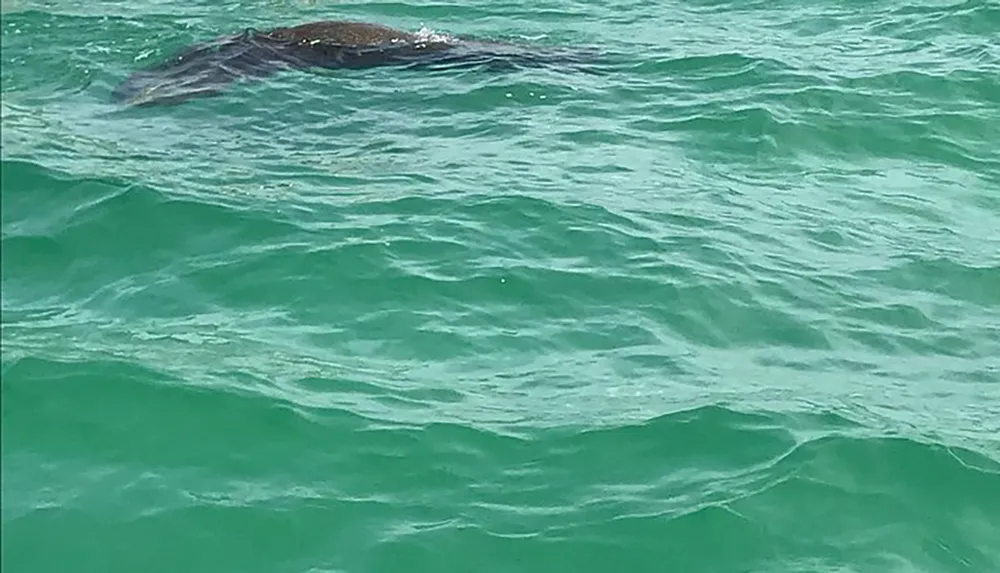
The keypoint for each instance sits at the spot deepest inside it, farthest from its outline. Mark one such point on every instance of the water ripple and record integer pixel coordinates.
(738, 283)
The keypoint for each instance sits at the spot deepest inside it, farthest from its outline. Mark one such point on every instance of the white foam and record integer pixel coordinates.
(426, 34)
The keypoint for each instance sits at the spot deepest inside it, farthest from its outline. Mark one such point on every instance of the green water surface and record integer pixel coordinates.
(731, 304)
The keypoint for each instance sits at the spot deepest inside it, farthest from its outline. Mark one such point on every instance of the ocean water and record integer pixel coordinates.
(731, 303)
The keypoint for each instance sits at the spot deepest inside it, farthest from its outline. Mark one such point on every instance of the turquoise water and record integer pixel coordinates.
(731, 304)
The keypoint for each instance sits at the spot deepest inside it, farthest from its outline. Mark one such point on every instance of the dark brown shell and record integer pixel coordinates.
(341, 33)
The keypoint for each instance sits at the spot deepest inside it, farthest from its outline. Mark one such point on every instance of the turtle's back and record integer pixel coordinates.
(342, 33)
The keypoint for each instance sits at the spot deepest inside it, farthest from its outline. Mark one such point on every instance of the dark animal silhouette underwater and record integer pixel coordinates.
(209, 68)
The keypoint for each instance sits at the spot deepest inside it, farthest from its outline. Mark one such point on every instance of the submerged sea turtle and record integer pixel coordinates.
(207, 68)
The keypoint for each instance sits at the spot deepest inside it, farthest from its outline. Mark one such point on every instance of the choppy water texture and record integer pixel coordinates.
(730, 305)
